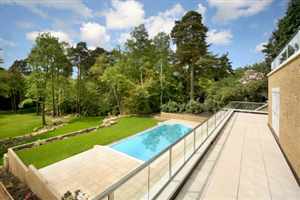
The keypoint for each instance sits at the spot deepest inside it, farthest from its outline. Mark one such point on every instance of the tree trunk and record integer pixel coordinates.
(43, 114)
(117, 99)
(11, 101)
(141, 76)
(15, 103)
(58, 103)
(59, 97)
(37, 108)
(192, 83)
(161, 85)
(53, 96)
(78, 90)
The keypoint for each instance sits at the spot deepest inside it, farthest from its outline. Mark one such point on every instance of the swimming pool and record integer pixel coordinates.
(150, 143)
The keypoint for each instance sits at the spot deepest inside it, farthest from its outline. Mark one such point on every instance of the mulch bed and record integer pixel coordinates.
(17, 189)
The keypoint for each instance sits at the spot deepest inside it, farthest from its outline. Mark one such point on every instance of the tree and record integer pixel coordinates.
(16, 85)
(118, 85)
(189, 36)
(101, 64)
(21, 66)
(162, 48)
(4, 86)
(79, 58)
(138, 49)
(46, 59)
(60, 67)
(261, 67)
(83, 59)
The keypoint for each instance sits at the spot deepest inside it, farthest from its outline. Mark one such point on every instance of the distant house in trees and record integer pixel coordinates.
(251, 75)
(284, 101)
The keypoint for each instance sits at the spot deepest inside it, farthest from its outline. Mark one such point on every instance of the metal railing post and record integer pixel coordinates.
(170, 162)
(194, 147)
(202, 131)
(207, 128)
(184, 150)
(111, 196)
(216, 119)
(148, 188)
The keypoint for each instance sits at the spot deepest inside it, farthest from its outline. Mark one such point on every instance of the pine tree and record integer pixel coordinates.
(189, 36)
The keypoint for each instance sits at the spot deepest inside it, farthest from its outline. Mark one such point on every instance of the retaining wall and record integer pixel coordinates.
(16, 166)
(184, 116)
(31, 176)
(39, 185)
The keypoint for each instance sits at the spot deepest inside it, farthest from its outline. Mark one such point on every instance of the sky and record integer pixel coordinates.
(237, 27)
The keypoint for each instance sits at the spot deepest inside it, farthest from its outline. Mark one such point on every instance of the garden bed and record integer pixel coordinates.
(15, 187)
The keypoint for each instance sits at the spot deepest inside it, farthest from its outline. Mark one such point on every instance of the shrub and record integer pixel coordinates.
(171, 106)
(193, 107)
(138, 101)
(181, 107)
(210, 105)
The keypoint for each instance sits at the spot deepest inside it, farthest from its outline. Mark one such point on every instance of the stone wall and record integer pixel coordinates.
(16, 166)
(39, 185)
(183, 116)
(287, 78)
(30, 176)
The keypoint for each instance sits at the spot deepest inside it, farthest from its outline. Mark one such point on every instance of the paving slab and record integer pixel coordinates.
(250, 166)
(91, 171)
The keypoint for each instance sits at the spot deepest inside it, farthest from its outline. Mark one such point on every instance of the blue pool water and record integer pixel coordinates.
(149, 143)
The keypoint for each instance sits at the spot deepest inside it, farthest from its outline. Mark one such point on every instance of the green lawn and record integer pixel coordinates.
(12, 125)
(75, 124)
(52, 152)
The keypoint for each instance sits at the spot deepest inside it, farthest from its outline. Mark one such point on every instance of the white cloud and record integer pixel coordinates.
(260, 47)
(123, 38)
(94, 35)
(219, 37)
(7, 43)
(164, 21)
(202, 10)
(76, 6)
(124, 14)
(233, 9)
(62, 36)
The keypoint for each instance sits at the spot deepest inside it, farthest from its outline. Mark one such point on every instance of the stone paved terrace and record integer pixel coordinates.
(245, 163)
(91, 171)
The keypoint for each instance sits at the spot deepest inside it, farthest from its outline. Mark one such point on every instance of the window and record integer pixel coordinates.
(275, 109)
